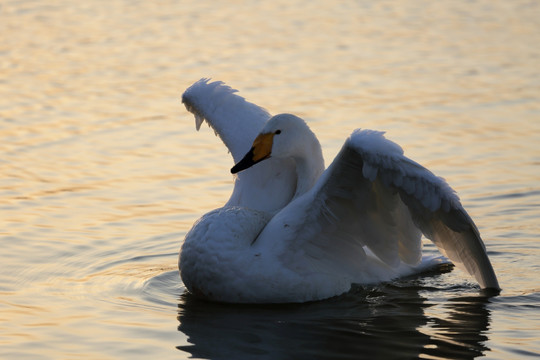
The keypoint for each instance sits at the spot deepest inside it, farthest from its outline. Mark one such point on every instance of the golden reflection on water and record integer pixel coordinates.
(102, 172)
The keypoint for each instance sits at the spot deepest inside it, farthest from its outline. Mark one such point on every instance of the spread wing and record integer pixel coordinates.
(374, 196)
(236, 121)
(270, 185)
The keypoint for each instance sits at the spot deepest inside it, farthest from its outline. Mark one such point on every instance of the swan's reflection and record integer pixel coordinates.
(461, 330)
(389, 321)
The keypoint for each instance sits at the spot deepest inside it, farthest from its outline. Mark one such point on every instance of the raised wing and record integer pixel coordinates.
(236, 121)
(270, 185)
(372, 195)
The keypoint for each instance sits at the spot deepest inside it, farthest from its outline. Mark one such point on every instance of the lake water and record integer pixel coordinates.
(102, 172)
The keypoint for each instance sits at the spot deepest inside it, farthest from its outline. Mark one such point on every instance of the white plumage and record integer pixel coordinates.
(294, 232)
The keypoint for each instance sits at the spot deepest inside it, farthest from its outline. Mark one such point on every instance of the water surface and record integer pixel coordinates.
(102, 172)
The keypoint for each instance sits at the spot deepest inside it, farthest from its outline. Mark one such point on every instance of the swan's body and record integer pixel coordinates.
(294, 232)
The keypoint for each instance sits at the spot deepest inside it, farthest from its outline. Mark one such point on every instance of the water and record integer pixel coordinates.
(102, 172)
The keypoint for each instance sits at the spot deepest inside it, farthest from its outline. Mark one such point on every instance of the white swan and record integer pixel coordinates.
(294, 232)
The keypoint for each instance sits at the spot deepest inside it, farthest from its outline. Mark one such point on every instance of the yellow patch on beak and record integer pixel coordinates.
(261, 149)
(262, 146)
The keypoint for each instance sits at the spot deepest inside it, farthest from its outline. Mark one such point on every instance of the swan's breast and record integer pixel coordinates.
(217, 250)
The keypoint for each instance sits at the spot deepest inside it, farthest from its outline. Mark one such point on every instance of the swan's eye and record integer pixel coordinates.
(277, 132)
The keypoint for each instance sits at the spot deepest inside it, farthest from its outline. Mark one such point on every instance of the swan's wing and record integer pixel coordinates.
(270, 185)
(236, 121)
(375, 196)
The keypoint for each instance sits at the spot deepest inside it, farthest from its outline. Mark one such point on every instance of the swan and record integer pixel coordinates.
(293, 231)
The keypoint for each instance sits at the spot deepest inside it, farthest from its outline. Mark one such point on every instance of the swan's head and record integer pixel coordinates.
(283, 136)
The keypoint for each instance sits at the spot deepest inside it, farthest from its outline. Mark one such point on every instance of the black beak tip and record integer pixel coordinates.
(245, 163)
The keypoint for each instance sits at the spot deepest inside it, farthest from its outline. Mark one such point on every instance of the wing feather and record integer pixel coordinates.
(433, 204)
(270, 185)
(374, 196)
(235, 120)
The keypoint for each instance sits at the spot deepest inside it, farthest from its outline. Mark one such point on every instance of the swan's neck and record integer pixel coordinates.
(309, 167)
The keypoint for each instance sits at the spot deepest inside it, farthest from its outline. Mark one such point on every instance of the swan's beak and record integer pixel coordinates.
(261, 149)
